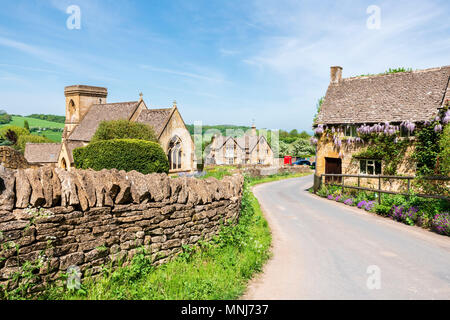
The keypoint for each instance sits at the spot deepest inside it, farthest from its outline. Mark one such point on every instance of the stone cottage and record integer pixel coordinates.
(248, 149)
(86, 107)
(388, 103)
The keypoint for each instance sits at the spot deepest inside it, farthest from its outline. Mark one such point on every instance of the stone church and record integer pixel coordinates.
(86, 107)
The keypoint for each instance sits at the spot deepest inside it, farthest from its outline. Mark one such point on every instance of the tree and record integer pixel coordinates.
(123, 129)
(318, 107)
(284, 149)
(293, 133)
(302, 148)
(26, 125)
(19, 131)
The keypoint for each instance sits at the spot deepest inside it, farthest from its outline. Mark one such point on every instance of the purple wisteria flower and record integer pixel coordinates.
(446, 117)
(330, 197)
(438, 128)
(319, 129)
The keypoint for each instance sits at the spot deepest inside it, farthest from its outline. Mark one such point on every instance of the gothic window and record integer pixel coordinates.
(175, 153)
(72, 111)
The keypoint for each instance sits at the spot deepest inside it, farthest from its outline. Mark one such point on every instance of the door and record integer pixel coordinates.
(333, 166)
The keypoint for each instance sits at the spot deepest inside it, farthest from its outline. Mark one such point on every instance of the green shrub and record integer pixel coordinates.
(383, 209)
(24, 139)
(123, 129)
(122, 154)
(444, 156)
(19, 131)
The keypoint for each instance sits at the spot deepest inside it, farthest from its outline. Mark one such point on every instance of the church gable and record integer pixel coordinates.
(102, 112)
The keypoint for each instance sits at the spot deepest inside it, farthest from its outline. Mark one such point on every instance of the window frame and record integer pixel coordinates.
(375, 165)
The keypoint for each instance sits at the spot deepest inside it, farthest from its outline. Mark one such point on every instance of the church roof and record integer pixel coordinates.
(42, 152)
(157, 118)
(397, 97)
(102, 112)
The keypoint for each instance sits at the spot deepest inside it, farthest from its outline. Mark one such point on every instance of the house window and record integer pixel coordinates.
(350, 131)
(404, 132)
(230, 160)
(175, 153)
(370, 167)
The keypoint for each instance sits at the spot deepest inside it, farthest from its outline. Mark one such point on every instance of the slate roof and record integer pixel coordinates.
(102, 112)
(414, 96)
(42, 152)
(157, 118)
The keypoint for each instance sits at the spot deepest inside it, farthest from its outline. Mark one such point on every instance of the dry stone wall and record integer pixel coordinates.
(88, 218)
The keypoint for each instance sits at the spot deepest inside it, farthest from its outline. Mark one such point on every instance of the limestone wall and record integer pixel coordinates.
(88, 218)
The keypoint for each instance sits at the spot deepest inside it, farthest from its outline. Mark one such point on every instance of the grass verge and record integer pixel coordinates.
(219, 269)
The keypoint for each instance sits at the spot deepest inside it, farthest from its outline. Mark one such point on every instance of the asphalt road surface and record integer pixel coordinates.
(327, 250)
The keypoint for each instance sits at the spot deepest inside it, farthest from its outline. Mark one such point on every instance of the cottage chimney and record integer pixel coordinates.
(336, 74)
(254, 130)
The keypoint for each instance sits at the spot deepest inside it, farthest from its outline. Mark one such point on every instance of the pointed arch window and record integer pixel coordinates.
(175, 152)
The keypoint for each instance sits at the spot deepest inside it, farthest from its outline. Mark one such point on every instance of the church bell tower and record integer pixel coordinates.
(79, 99)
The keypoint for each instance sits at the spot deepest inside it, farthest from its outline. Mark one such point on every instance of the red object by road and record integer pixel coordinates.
(287, 160)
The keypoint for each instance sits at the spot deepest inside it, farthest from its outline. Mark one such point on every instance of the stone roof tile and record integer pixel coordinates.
(413, 96)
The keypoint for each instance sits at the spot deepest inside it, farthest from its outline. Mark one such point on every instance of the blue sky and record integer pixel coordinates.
(225, 62)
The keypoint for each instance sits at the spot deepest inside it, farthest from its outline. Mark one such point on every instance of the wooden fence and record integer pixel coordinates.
(379, 190)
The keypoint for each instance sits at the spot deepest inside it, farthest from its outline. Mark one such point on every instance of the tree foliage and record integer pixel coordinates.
(123, 129)
(19, 131)
(302, 148)
(48, 117)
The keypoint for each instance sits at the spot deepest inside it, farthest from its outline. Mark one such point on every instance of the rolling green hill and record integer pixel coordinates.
(39, 127)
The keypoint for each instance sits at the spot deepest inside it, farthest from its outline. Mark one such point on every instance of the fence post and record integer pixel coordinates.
(379, 189)
(409, 187)
(342, 185)
(359, 181)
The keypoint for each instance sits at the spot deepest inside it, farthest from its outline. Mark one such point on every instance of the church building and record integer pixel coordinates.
(86, 107)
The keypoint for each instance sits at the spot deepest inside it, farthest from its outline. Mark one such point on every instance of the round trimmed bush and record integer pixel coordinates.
(122, 154)
(123, 129)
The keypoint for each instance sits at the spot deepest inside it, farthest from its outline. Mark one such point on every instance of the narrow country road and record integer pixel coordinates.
(323, 249)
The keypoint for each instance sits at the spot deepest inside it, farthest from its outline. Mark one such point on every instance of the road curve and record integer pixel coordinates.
(323, 249)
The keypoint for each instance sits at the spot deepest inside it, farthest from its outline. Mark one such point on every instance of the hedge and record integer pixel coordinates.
(123, 129)
(24, 139)
(122, 154)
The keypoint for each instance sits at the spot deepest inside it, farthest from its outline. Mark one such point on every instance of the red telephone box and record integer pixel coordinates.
(288, 160)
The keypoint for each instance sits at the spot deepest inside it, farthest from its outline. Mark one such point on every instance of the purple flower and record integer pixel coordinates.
(441, 223)
(338, 198)
(330, 197)
(438, 128)
(349, 202)
(361, 204)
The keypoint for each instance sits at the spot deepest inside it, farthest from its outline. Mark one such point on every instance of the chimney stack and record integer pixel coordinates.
(336, 74)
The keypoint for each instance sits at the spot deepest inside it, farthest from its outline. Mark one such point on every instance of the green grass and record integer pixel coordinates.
(34, 123)
(219, 269)
(37, 123)
(276, 177)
